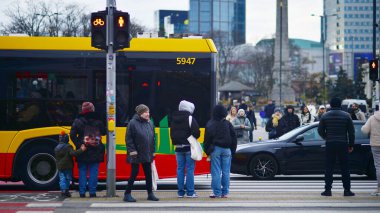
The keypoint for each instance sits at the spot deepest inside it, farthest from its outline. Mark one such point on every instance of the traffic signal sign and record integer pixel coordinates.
(121, 30)
(374, 70)
(99, 30)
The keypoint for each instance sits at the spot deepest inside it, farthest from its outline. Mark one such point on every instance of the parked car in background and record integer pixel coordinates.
(299, 152)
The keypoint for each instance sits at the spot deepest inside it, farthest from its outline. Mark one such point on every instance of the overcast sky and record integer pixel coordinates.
(260, 15)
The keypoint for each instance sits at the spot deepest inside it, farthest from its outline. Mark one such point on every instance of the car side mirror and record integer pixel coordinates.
(299, 138)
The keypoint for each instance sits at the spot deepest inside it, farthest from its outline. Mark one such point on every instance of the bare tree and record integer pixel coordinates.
(25, 18)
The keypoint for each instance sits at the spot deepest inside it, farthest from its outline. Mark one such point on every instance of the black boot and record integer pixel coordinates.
(152, 197)
(67, 193)
(326, 193)
(348, 193)
(129, 198)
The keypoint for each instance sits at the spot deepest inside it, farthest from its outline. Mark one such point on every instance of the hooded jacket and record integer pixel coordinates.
(64, 153)
(290, 120)
(180, 129)
(140, 137)
(242, 133)
(219, 132)
(93, 154)
(372, 127)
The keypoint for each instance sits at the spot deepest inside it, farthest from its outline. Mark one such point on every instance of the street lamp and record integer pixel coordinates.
(50, 15)
(323, 41)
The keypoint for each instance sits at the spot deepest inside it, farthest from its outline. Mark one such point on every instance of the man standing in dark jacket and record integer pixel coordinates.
(290, 120)
(220, 143)
(180, 130)
(269, 110)
(337, 129)
(141, 148)
(90, 159)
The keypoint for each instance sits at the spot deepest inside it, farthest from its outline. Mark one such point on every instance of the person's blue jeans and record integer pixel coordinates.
(184, 161)
(220, 171)
(65, 177)
(93, 170)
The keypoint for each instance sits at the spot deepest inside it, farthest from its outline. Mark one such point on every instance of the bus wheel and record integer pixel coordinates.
(39, 170)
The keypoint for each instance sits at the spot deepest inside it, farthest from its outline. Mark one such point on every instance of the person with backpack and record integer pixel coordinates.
(220, 144)
(87, 130)
(141, 148)
(180, 130)
(64, 153)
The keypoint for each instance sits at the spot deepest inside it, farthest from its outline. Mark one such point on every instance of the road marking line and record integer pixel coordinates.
(35, 212)
(235, 204)
(42, 205)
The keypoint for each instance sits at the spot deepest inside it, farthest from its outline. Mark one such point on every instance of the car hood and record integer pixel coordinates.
(257, 144)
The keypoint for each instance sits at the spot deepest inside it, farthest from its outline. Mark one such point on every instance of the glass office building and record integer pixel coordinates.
(223, 20)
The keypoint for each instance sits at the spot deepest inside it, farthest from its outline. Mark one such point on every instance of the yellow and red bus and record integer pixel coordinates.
(44, 80)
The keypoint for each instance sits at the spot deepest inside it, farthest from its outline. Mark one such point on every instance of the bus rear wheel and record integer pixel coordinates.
(39, 170)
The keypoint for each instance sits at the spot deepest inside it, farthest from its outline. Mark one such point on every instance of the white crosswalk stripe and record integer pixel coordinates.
(240, 183)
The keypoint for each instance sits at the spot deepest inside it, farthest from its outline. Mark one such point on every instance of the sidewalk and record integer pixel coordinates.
(171, 196)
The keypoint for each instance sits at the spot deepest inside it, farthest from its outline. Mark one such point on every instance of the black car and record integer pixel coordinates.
(298, 152)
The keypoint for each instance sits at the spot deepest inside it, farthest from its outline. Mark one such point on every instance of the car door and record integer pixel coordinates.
(359, 158)
(305, 156)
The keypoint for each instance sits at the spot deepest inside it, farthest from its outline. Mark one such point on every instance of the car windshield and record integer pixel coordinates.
(295, 131)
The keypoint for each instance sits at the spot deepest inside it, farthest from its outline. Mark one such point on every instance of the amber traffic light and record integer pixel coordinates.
(374, 70)
(121, 30)
(99, 30)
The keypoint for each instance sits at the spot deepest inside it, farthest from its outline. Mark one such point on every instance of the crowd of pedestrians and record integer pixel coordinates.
(223, 132)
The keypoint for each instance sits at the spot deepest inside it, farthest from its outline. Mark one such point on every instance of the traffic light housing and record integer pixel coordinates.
(374, 70)
(99, 30)
(121, 30)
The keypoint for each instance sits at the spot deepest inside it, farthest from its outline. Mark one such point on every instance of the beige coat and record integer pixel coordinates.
(372, 126)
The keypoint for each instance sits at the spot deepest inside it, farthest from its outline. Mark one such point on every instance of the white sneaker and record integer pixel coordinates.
(192, 196)
(376, 193)
(180, 196)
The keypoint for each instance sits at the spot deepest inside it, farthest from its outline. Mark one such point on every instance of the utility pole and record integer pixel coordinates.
(281, 53)
(374, 54)
(111, 102)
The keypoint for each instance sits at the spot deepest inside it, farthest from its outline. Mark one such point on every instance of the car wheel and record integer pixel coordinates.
(263, 167)
(38, 168)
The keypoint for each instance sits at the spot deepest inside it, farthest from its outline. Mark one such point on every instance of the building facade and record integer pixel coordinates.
(349, 37)
(168, 22)
(223, 20)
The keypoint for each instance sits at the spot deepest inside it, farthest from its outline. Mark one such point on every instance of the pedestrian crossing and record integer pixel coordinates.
(21, 207)
(241, 183)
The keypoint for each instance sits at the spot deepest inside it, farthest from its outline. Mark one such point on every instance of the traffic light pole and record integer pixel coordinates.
(111, 102)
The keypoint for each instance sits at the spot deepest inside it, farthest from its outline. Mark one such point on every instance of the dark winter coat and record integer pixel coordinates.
(269, 110)
(337, 126)
(279, 129)
(251, 117)
(180, 129)
(219, 132)
(290, 120)
(93, 154)
(140, 137)
(64, 153)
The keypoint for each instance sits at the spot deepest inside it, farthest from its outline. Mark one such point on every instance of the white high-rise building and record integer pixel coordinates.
(349, 37)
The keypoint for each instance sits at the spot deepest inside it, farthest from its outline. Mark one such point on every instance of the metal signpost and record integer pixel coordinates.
(111, 102)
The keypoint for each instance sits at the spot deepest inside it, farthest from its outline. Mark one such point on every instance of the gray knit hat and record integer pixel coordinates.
(140, 109)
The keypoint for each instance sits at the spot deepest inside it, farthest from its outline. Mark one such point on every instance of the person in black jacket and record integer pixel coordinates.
(275, 126)
(252, 119)
(337, 128)
(291, 120)
(140, 143)
(220, 143)
(180, 130)
(90, 159)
